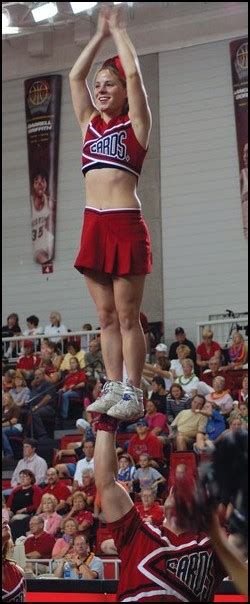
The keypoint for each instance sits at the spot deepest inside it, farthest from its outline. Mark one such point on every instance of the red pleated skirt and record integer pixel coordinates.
(115, 242)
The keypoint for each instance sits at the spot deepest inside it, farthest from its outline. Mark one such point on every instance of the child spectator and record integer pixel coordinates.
(148, 477)
(126, 470)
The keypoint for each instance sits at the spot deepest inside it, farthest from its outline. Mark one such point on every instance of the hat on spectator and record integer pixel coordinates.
(28, 344)
(179, 330)
(161, 348)
(142, 422)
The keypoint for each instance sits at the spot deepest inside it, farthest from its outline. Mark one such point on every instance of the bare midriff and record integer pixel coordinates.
(111, 188)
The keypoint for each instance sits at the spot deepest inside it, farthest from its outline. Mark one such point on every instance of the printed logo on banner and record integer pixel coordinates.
(39, 96)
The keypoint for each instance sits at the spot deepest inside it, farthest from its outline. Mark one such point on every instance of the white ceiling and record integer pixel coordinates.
(142, 13)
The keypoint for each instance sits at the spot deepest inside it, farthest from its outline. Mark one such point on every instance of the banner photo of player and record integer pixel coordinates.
(239, 64)
(43, 108)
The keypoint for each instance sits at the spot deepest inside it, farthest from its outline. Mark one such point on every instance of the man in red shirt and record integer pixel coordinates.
(40, 544)
(145, 442)
(57, 488)
(28, 362)
(149, 509)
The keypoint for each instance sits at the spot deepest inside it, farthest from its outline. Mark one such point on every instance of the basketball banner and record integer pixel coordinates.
(42, 106)
(239, 64)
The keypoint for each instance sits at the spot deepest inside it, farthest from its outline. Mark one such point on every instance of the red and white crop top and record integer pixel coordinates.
(112, 145)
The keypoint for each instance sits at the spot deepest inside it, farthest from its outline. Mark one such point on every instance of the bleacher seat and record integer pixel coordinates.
(102, 534)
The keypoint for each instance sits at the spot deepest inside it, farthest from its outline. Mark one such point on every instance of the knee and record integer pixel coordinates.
(108, 318)
(128, 319)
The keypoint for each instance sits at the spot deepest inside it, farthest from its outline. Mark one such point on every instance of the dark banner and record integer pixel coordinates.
(239, 63)
(42, 106)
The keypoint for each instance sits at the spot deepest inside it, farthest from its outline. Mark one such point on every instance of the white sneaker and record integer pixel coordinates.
(111, 394)
(130, 407)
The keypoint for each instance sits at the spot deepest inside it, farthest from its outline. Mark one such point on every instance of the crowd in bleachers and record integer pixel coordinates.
(192, 397)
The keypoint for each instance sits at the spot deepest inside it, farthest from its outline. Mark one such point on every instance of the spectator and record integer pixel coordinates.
(243, 392)
(40, 543)
(55, 354)
(22, 502)
(83, 564)
(148, 477)
(220, 398)
(31, 461)
(42, 395)
(145, 442)
(237, 352)
(177, 400)
(57, 488)
(188, 380)
(126, 470)
(189, 423)
(161, 352)
(10, 424)
(180, 337)
(20, 392)
(85, 339)
(12, 328)
(8, 380)
(84, 518)
(159, 394)
(73, 352)
(51, 374)
(68, 469)
(215, 369)
(159, 369)
(207, 349)
(52, 520)
(183, 352)
(93, 359)
(64, 544)
(33, 329)
(149, 509)
(88, 487)
(157, 422)
(73, 385)
(84, 464)
(215, 426)
(243, 414)
(235, 424)
(28, 362)
(55, 328)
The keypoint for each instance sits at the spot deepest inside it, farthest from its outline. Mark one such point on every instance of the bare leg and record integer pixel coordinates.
(101, 289)
(128, 292)
(115, 501)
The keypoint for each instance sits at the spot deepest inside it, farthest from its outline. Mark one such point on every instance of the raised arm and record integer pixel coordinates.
(81, 96)
(139, 111)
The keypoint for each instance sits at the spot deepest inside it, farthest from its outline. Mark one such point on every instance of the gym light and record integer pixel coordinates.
(9, 30)
(46, 11)
(80, 7)
(5, 19)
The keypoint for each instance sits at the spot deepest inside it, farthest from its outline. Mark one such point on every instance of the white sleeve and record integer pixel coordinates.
(78, 472)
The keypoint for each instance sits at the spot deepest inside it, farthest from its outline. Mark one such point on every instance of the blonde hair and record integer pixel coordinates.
(49, 497)
(207, 332)
(183, 348)
(79, 494)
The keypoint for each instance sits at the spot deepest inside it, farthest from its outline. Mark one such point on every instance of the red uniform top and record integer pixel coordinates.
(112, 145)
(60, 491)
(28, 363)
(151, 445)
(74, 378)
(161, 566)
(13, 584)
(43, 544)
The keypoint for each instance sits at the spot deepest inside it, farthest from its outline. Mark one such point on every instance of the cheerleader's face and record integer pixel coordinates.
(110, 94)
